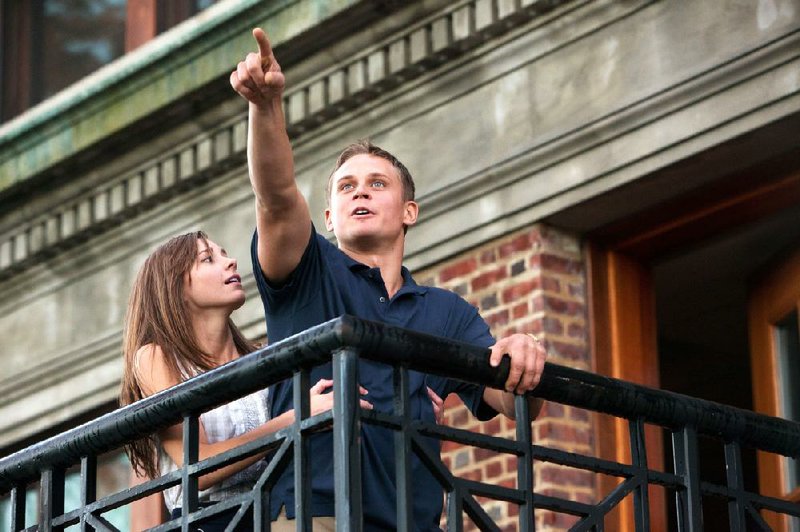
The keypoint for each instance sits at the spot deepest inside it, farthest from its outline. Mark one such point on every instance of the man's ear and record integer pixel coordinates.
(410, 213)
(328, 221)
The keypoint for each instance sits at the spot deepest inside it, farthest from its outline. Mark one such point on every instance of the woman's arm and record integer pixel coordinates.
(154, 376)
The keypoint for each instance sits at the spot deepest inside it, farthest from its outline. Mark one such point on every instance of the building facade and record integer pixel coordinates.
(620, 178)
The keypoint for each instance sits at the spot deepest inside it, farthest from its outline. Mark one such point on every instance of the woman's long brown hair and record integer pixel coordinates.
(158, 315)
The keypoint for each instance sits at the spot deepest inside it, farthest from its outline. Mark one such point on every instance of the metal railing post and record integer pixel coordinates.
(18, 494)
(688, 500)
(347, 441)
(88, 487)
(52, 499)
(525, 462)
(641, 499)
(189, 483)
(736, 504)
(302, 496)
(402, 451)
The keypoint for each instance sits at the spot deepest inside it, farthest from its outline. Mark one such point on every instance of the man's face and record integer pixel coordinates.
(366, 203)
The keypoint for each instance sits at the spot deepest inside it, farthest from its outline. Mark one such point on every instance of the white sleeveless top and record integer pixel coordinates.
(222, 423)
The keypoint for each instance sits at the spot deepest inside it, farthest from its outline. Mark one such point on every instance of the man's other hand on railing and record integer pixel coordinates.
(527, 356)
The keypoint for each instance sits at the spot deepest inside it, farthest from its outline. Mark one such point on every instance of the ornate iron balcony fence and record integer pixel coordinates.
(346, 339)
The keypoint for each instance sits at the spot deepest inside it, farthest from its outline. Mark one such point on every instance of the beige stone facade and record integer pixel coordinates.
(528, 125)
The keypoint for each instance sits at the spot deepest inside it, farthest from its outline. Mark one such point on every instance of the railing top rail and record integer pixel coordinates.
(392, 345)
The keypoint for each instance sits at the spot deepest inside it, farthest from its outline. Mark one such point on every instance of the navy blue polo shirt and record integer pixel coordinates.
(326, 284)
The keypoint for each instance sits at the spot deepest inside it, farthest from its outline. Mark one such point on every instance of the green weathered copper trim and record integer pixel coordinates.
(161, 72)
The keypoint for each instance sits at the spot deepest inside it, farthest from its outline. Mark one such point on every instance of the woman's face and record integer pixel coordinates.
(213, 282)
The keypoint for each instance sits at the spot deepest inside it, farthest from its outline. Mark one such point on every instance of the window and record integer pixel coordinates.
(46, 45)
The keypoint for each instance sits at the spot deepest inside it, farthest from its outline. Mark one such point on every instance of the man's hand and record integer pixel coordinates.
(527, 356)
(259, 78)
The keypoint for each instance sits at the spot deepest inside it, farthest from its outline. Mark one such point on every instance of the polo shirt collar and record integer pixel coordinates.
(409, 285)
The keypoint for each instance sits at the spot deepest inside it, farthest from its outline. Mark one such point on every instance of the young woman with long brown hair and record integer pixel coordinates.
(178, 325)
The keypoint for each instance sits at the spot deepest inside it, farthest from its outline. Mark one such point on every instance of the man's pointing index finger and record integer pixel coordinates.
(264, 48)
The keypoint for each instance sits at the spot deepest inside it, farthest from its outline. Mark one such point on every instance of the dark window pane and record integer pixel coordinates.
(174, 12)
(787, 342)
(75, 38)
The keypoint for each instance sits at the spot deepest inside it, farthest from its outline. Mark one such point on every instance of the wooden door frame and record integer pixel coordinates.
(623, 318)
(623, 329)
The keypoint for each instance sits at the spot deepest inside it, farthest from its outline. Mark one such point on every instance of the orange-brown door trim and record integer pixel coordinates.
(624, 343)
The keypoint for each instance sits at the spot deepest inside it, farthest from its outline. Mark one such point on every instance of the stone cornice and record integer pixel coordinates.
(367, 76)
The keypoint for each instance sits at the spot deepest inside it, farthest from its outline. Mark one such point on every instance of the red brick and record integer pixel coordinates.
(576, 330)
(487, 278)
(518, 243)
(561, 306)
(552, 325)
(568, 351)
(511, 464)
(567, 476)
(458, 269)
(511, 527)
(533, 326)
(558, 520)
(510, 483)
(551, 285)
(519, 311)
(519, 290)
(488, 302)
(488, 257)
(492, 426)
(450, 446)
(461, 289)
(564, 433)
(494, 469)
(579, 414)
(564, 521)
(577, 290)
(558, 264)
(472, 474)
(481, 455)
(551, 409)
(458, 417)
(555, 492)
(497, 318)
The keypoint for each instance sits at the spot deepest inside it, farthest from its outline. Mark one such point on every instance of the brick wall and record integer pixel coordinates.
(530, 281)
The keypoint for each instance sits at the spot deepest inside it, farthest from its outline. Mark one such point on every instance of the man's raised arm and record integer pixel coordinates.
(282, 216)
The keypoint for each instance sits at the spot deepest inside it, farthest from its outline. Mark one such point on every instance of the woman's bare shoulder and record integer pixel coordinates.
(153, 370)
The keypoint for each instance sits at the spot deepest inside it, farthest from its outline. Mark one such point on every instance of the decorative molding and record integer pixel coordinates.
(399, 59)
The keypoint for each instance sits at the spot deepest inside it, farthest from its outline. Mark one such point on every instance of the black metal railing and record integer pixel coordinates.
(343, 341)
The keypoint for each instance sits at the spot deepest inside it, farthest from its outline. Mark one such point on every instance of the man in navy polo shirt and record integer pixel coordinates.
(304, 280)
